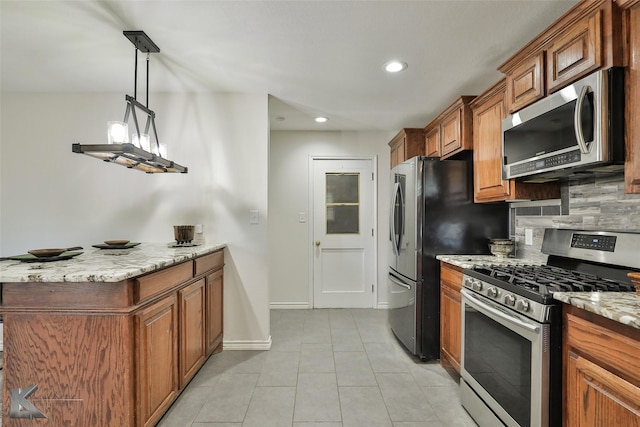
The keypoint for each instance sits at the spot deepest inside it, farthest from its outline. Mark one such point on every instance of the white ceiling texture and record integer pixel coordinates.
(315, 57)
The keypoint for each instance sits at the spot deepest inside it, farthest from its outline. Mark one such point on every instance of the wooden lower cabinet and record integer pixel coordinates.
(157, 373)
(450, 316)
(192, 335)
(215, 313)
(601, 371)
(110, 353)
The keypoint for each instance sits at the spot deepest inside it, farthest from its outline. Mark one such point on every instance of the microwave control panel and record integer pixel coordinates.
(546, 163)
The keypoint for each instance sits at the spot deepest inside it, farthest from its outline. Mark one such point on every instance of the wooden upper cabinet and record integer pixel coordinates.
(632, 103)
(432, 141)
(450, 132)
(575, 53)
(408, 143)
(488, 112)
(588, 37)
(525, 83)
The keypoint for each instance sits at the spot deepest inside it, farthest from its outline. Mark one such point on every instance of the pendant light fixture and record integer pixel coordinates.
(141, 152)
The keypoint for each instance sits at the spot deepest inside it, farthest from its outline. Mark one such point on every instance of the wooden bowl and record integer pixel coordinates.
(47, 253)
(635, 279)
(116, 242)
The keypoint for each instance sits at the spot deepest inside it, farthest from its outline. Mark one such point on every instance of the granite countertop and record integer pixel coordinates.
(623, 307)
(469, 261)
(103, 265)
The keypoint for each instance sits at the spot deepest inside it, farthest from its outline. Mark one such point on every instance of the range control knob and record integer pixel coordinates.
(468, 283)
(477, 286)
(510, 300)
(523, 305)
(492, 292)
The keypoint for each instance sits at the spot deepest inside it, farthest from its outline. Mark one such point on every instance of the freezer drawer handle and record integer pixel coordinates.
(399, 283)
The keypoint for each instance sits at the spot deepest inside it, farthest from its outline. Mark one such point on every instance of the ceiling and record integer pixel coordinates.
(321, 57)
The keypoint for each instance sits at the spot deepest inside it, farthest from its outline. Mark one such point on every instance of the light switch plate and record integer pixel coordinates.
(302, 217)
(254, 216)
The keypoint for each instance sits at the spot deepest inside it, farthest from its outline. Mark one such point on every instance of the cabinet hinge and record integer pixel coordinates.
(372, 232)
(372, 288)
(372, 178)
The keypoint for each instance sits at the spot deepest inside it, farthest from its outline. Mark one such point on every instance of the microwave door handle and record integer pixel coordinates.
(577, 125)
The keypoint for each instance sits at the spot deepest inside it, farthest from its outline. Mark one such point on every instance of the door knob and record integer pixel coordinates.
(317, 242)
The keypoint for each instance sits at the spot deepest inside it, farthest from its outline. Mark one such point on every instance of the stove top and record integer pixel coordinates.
(578, 261)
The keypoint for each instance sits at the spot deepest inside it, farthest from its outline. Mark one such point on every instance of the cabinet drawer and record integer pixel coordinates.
(209, 262)
(451, 276)
(161, 281)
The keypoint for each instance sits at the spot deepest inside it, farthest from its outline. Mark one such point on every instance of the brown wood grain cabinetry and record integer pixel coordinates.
(432, 141)
(488, 112)
(406, 144)
(215, 313)
(455, 127)
(525, 84)
(192, 329)
(586, 38)
(450, 316)
(632, 100)
(601, 371)
(157, 344)
(116, 353)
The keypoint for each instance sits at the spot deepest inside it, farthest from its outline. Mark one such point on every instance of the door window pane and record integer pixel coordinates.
(343, 203)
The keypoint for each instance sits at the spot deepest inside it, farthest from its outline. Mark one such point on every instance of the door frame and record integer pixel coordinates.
(311, 220)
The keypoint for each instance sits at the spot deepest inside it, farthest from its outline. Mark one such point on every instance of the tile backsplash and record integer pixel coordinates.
(592, 204)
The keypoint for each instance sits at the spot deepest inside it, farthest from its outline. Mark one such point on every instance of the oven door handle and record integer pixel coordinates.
(481, 306)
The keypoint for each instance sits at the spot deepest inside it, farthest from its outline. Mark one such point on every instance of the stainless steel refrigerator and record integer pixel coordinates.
(432, 212)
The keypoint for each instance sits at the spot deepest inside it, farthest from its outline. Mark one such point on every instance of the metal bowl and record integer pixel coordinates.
(501, 250)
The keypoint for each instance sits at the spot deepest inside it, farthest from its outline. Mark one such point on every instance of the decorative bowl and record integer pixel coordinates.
(47, 253)
(116, 242)
(501, 247)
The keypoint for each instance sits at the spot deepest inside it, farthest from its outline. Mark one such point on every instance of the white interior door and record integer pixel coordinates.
(344, 270)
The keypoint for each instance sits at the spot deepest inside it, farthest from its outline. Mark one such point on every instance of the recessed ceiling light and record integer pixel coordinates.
(321, 119)
(395, 66)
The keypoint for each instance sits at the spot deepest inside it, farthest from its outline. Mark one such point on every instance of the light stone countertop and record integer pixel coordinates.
(623, 307)
(469, 261)
(103, 265)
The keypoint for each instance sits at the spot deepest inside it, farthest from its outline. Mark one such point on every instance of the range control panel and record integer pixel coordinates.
(594, 242)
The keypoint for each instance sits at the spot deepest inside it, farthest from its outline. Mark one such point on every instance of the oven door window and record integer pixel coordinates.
(500, 360)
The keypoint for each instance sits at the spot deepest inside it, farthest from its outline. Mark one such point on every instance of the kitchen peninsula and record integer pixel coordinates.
(109, 337)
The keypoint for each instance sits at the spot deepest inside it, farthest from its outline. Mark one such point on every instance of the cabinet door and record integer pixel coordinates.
(575, 53)
(192, 321)
(487, 150)
(450, 132)
(450, 316)
(157, 348)
(215, 314)
(632, 106)
(432, 142)
(525, 83)
(597, 397)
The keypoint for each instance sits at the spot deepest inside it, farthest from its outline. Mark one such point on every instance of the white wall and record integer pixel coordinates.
(51, 197)
(289, 194)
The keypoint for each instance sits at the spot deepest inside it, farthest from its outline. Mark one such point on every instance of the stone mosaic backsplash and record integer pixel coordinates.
(590, 204)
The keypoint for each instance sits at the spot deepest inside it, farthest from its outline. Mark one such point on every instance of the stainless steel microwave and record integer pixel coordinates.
(576, 131)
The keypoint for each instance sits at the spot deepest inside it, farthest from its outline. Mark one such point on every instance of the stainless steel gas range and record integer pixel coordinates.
(511, 367)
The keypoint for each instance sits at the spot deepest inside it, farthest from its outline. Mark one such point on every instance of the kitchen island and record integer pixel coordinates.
(109, 337)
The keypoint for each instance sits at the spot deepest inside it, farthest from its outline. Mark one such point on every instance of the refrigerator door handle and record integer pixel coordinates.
(392, 218)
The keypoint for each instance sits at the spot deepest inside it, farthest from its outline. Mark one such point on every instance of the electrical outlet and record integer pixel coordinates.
(528, 236)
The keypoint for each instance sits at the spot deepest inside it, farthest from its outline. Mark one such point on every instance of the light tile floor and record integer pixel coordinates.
(326, 368)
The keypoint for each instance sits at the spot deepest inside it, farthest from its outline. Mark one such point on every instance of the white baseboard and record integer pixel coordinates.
(247, 345)
(289, 306)
(383, 305)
